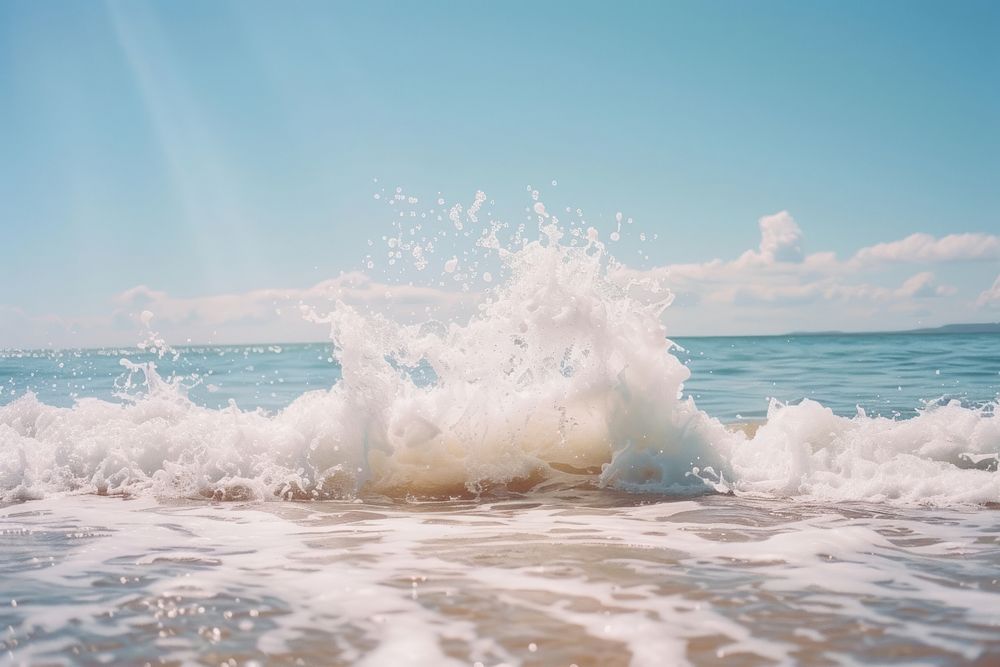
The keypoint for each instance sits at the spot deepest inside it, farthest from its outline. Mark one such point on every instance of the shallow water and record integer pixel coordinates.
(567, 574)
(549, 482)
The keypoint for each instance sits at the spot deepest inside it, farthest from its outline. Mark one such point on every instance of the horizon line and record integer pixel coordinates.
(944, 329)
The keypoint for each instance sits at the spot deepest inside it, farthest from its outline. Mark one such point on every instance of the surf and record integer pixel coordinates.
(564, 371)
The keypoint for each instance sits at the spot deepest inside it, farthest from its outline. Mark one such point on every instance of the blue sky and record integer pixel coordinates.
(216, 148)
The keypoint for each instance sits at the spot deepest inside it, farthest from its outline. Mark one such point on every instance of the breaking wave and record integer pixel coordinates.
(564, 373)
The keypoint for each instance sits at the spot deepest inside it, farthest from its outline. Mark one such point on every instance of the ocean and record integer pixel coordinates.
(553, 481)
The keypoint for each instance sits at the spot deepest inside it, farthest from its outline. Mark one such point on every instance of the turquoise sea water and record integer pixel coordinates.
(837, 540)
(732, 378)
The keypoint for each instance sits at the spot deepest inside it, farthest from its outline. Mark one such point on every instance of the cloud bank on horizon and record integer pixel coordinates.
(783, 288)
(774, 288)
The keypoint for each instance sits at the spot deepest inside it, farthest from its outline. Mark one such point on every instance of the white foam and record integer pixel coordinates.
(565, 366)
(486, 582)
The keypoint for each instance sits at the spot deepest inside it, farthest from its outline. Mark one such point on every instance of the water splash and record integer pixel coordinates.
(564, 371)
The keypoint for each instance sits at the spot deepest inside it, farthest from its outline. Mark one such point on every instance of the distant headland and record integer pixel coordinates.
(969, 328)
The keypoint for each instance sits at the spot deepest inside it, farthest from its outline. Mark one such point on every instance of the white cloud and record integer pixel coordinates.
(990, 298)
(277, 312)
(255, 316)
(780, 238)
(927, 249)
(769, 289)
(919, 286)
(778, 287)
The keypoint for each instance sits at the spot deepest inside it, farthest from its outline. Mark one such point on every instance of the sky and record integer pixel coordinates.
(793, 165)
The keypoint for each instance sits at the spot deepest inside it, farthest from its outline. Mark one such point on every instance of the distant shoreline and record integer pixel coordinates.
(947, 329)
(973, 328)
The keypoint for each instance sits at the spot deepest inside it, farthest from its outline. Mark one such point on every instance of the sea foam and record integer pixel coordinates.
(565, 371)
